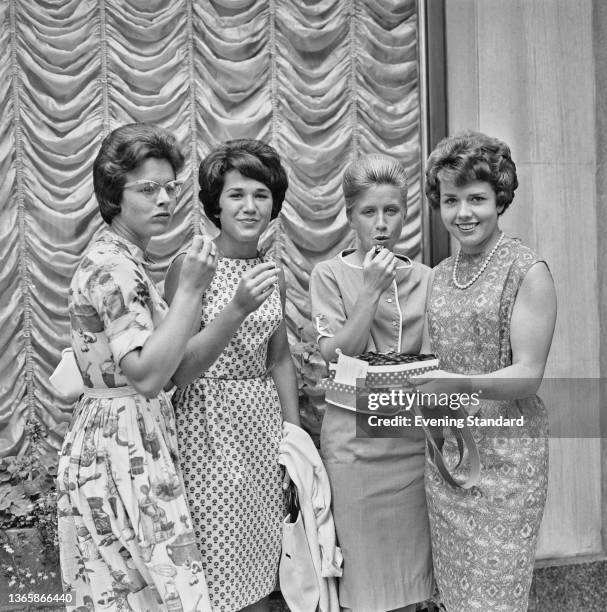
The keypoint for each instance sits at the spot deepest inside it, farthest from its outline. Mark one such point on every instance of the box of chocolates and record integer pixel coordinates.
(350, 377)
(391, 369)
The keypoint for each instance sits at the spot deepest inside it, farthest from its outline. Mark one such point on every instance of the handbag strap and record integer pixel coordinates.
(464, 439)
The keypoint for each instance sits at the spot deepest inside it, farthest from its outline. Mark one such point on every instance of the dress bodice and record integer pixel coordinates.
(245, 356)
(470, 328)
(399, 318)
(114, 307)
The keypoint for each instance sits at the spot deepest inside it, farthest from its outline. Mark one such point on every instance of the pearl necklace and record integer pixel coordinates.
(481, 270)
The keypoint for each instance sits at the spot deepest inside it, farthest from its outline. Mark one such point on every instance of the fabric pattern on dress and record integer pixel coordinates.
(230, 427)
(377, 483)
(484, 539)
(125, 534)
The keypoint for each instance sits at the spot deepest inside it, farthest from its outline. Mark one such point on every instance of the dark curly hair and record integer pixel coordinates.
(472, 156)
(252, 158)
(122, 151)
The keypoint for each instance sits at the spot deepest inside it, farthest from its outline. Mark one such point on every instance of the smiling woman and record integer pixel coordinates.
(239, 382)
(245, 208)
(491, 315)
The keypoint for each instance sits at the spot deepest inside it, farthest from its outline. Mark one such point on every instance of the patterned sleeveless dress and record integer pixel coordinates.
(484, 539)
(229, 423)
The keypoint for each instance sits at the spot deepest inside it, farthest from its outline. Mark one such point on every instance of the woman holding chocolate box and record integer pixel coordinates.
(491, 316)
(371, 299)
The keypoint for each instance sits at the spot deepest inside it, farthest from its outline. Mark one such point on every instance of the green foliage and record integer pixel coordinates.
(26, 483)
(310, 368)
(28, 499)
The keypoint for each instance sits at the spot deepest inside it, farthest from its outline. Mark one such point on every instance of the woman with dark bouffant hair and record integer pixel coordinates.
(238, 382)
(491, 316)
(125, 532)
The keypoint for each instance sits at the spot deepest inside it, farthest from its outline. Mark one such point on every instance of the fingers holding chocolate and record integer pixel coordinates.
(256, 286)
(199, 263)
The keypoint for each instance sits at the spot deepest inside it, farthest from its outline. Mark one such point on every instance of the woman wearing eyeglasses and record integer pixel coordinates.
(238, 382)
(125, 532)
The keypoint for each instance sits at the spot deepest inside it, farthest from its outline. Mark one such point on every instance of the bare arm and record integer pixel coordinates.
(149, 368)
(531, 330)
(352, 338)
(204, 348)
(282, 369)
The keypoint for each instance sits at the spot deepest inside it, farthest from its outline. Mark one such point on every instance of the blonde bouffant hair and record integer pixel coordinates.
(369, 170)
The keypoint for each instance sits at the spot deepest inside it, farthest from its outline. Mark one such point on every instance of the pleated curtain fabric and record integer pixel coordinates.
(322, 81)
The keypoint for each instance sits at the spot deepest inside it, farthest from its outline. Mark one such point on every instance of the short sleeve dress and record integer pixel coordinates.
(484, 538)
(125, 533)
(377, 484)
(230, 427)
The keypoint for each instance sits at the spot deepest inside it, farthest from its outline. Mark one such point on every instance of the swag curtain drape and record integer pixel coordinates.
(322, 81)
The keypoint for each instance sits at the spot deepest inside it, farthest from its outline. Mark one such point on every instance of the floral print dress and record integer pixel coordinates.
(125, 533)
(484, 538)
(230, 427)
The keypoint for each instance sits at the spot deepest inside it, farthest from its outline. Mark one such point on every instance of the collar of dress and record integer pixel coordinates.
(137, 253)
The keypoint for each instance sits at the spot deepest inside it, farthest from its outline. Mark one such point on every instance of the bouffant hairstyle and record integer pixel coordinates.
(122, 151)
(369, 170)
(472, 156)
(252, 158)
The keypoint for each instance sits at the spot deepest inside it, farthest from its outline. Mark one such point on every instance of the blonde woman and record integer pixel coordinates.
(370, 298)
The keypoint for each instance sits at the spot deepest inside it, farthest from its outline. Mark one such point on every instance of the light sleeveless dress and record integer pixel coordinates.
(230, 426)
(484, 539)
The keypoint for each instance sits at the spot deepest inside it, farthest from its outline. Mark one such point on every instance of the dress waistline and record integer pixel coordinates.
(109, 392)
(264, 376)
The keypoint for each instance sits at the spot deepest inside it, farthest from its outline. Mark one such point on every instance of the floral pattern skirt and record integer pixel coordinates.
(125, 533)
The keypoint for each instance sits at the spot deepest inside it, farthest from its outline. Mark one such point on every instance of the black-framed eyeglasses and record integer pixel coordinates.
(151, 189)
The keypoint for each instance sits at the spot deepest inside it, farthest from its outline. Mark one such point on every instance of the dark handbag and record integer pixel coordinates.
(292, 503)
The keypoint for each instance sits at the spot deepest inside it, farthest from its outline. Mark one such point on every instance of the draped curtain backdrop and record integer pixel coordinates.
(322, 81)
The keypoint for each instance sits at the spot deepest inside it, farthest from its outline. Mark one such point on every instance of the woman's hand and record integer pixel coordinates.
(198, 265)
(255, 286)
(149, 368)
(379, 271)
(531, 329)
(204, 348)
(439, 382)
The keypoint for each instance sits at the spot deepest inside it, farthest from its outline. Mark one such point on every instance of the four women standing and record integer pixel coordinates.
(490, 316)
